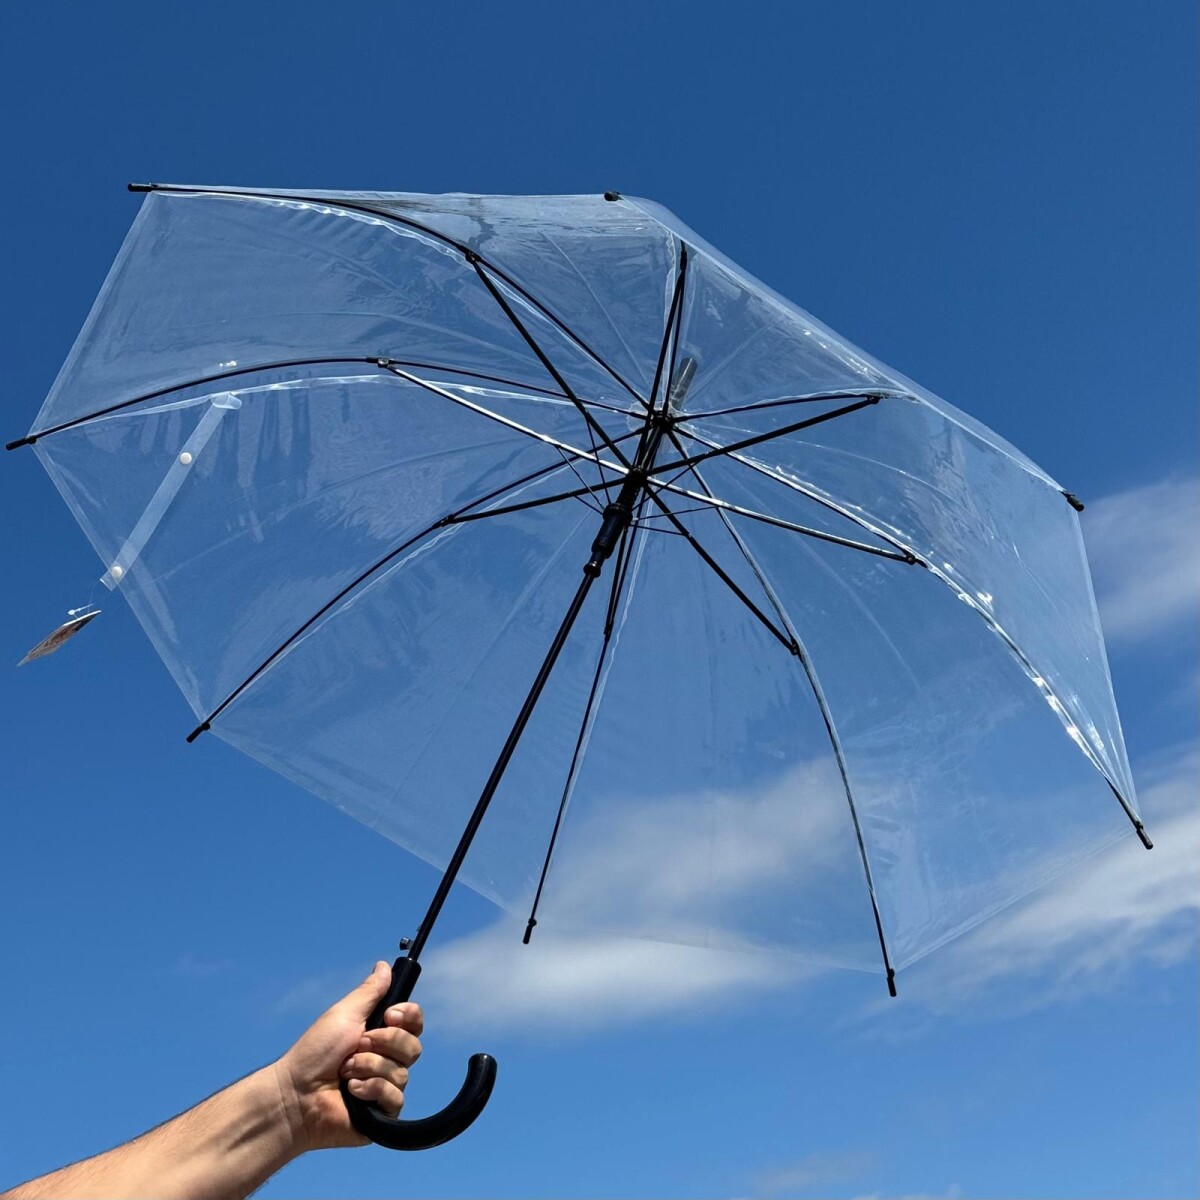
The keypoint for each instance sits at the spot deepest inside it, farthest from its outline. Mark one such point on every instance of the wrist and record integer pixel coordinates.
(293, 1107)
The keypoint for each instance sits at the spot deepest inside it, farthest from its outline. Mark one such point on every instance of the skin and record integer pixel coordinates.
(231, 1143)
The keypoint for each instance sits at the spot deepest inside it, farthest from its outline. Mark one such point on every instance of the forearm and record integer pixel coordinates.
(222, 1149)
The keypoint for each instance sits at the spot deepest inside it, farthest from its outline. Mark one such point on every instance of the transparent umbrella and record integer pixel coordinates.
(830, 680)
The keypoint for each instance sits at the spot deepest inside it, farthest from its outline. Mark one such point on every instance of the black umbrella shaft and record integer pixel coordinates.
(617, 516)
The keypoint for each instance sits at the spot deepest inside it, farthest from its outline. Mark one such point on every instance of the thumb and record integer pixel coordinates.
(362, 1000)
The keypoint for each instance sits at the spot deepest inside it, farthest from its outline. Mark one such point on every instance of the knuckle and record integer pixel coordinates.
(367, 1066)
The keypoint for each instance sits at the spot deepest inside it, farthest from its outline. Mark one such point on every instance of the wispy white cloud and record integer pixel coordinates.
(197, 966)
(312, 994)
(815, 1171)
(581, 982)
(700, 870)
(1090, 929)
(1144, 547)
(951, 1193)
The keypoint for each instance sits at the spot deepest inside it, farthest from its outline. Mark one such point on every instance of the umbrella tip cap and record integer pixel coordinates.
(612, 195)
(891, 982)
(1074, 501)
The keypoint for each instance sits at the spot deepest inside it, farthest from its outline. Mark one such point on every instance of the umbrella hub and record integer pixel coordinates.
(619, 513)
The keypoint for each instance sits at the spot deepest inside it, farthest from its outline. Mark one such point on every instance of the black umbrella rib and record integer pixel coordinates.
(593, 425)
(683, 464)
(620, 570)
(587, 489)
(670, 336)
(508, 423)
(459, 516)
(199, 381)
(810, 398)
(902, 550)
(826, 716)
(721, 573)
(988, 620)
(381, 361)
(711, 501)
(384, 215)
(655, 423)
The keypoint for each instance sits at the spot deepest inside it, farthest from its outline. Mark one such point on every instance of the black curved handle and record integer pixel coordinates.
(423, 1132)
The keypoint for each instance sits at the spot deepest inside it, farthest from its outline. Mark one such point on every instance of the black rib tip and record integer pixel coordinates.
(25, 441)
(528, 932)
(191, 737)
(612, 195)
(1144, 836)
(891, 982)
(141, 187)
(1074, 501)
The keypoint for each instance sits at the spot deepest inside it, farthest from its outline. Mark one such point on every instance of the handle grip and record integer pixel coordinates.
(423, 1132)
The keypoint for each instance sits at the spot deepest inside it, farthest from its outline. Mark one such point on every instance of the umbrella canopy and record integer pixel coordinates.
(842, 691)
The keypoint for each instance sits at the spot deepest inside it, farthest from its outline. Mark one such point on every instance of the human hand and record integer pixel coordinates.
(335, 1047)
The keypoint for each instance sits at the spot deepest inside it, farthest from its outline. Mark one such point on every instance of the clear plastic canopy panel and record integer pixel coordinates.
(307, 436)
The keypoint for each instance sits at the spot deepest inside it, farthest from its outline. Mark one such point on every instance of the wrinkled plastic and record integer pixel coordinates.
(904, 722)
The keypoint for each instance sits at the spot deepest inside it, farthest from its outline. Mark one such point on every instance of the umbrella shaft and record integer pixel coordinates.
(498, 770)
(617, 516)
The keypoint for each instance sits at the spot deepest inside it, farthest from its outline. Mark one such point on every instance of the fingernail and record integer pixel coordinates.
(364, 1043)
(355, 1085)
(399, 1011)
(348, 1065)
(380, 967)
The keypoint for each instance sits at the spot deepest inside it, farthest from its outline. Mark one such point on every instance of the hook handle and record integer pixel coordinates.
(424, 1132)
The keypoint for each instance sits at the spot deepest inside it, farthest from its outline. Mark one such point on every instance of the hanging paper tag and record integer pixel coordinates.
(67, 630)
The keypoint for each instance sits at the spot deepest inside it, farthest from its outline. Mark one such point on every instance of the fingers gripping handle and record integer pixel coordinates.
(424, 1132)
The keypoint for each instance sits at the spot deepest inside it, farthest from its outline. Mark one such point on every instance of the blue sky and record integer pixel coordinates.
(998, 203)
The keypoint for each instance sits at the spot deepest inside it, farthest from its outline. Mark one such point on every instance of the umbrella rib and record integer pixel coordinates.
(620, 571)
(603, 485)
(1035, 676)
(380, 361)
(593, 425)
(720, 572)
(815, 497)
(384, 215)
(713, 501)
(215, 377)
(669, 327)
(429, 386)
(809, 398)
(818, 692)
(459, 516)
(682, 464)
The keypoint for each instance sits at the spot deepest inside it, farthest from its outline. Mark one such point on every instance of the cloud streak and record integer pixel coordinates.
(1121, 909)
(815, 1171)
(1145, 556)
(583, 982)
